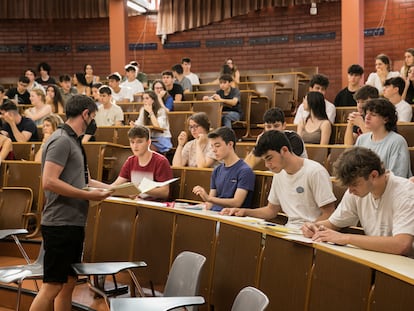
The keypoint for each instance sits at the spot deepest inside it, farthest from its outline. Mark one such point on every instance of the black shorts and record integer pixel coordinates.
(63, 246)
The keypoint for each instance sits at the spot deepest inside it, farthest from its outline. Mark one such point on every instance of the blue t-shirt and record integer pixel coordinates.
(226, 180)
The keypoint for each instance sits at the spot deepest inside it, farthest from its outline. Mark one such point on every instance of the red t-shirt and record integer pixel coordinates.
(158, 169)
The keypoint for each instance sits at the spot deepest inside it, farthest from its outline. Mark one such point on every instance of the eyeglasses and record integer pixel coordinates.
(193, 127)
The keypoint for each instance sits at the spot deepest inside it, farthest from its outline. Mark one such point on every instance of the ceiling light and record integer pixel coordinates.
(136, 7)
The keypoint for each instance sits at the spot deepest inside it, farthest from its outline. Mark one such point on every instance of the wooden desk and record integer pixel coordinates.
(297, 276)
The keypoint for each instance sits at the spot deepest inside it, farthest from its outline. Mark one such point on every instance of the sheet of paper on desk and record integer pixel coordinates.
(147, 184)
(299, 238)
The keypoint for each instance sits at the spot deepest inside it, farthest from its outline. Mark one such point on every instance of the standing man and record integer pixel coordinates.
(346, 96)
(382, 202)
(186, 63)
(232, 182)
(64, 177)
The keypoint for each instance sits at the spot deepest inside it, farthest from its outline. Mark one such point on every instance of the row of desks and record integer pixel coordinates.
(294, 275)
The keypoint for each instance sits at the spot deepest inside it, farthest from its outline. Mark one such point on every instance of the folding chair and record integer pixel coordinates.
(108, 268)
(250, 298)
(182, 282)
(17, 274)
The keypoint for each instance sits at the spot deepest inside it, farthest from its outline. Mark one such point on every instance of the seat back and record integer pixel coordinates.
(16, 202)
(184, 276)
(250, 298)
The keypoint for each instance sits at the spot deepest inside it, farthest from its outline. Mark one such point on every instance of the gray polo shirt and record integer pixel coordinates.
(63, 149)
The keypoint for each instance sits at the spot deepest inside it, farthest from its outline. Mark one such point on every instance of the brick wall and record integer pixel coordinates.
(288, 22)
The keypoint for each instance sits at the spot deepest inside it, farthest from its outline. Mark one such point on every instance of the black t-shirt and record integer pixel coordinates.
(409, 98)
(25, 124)
(345, 98)
(176, 89)
(47, 82)
(21, 98)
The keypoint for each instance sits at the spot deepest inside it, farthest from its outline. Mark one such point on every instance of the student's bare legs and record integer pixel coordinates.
(63, 301)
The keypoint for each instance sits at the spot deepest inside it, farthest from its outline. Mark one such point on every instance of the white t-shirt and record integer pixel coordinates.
(375, 81)
(391, 214)
(125, 92)
(135, 86)
(302, 114)
(404, 111)
(302, 194)
(193, 78)
(109, 117)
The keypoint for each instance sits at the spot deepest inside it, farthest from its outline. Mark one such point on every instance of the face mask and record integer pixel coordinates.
(91, 128)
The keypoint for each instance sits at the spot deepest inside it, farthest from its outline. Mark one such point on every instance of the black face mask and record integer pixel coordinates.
(91, 128)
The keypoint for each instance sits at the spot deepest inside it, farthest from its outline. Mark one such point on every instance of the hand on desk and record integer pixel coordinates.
(320, 233)
(234, 211)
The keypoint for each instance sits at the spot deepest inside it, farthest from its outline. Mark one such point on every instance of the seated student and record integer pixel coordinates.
(186, 63)
(163, 96)
(54, 99)
(232, 182)
(15, 126)
(141, 76)
(145, 163)
(19, 94)
(408, 94)
(182, 80)
(382, 72)
(95, 93)
(131, 80)
(119, 93)
(356, 124)
(225, 70)
(2, 94)
(318, 83)
(382, 202)
(50, 124)
(274, 119)
(44, 71)
(380, 122)
(230, 97)
(346, 96)
(393, 90)
(154, 114)
(66, 89)
(316, 128)
(40, 109)
(108, 113)
(196, 152)
(174, 89)
(301, 188)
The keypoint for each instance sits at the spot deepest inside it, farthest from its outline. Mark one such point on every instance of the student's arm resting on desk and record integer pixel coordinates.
(22, 136)
(267, 212)
(52, 182)
(325, 231)
(236, 201)
(230, 102)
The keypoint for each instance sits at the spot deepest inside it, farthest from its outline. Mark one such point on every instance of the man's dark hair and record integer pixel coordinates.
(320, 79)
(201, 119)
(274, 115)
(24, 79)
(396, 82)
(96, 85)
(366, 92)
(105, 90)
(8, 105)
(65, 78)
(178, 69)
(77, 104)
(385, 109)
(185, 60)
(355, 69)
(44, 66)
(167, 73)
(356, 162)
(139, 131)
(226, 133)
(271, 140)
(227, 78)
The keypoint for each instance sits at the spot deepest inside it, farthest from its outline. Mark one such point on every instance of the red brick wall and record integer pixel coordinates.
(271, 22)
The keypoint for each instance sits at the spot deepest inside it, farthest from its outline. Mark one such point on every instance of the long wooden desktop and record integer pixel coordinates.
(294, 275)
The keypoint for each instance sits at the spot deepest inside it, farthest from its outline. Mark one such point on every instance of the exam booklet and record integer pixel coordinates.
(129, 189)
